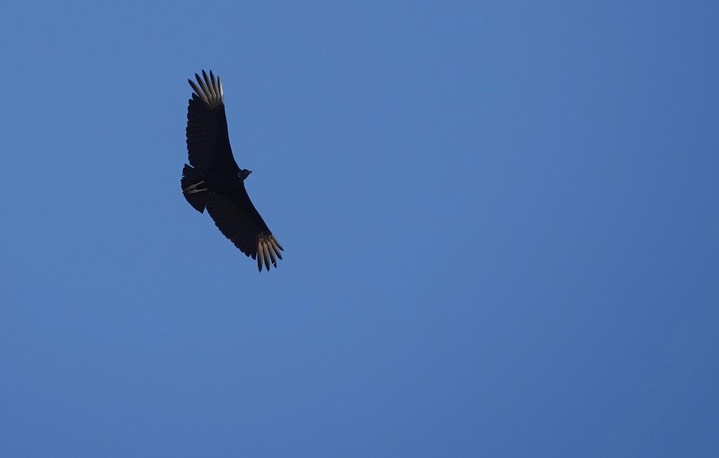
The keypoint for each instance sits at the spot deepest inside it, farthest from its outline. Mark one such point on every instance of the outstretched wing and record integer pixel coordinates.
(208, 143)
(245, 228)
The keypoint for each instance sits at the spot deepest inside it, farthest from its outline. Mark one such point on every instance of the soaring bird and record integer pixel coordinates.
(213, 180)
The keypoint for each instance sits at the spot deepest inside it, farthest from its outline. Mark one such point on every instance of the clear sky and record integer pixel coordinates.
(500, 221)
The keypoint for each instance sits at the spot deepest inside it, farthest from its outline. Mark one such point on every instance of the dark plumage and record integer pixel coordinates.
(214, 181)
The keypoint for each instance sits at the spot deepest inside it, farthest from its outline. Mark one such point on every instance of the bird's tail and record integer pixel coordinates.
(193, 188)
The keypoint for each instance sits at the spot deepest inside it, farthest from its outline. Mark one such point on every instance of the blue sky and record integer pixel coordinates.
(500, 222)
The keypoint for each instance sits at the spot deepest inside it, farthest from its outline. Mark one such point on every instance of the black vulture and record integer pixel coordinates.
(213, 180)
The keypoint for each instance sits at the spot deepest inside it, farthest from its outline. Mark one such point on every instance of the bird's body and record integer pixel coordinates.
(214, 181)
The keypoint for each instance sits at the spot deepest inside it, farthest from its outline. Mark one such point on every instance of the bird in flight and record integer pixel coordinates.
(213, 180)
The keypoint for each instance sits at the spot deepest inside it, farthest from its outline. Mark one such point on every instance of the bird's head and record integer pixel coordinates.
(244, 173)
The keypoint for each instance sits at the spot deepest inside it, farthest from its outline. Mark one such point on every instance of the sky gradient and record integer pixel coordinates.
(500, 223)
